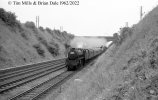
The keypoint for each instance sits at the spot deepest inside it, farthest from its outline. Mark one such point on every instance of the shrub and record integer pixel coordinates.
(48, 30)
(39, 50)
(42, 40)
(31, 25)
(23, 34)
(53, 48)
(116, 38)
(57, 31)
(53, 51)
(8, 17)
(66, 45)
(126, 32)
(41, 28)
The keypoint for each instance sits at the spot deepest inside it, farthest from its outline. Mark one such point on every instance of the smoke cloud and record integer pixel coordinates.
(88, 42)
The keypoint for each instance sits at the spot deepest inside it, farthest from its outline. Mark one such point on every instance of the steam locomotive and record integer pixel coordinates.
(77, 57)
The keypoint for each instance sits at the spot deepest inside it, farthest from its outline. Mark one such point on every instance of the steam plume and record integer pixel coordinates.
(88, 42)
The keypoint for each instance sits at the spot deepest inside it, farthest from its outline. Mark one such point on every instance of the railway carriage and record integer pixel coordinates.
(78, 56)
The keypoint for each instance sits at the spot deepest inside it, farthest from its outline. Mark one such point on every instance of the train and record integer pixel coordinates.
(77, 57)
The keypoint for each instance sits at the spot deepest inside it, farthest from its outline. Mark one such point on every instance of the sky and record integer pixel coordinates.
(86, 18)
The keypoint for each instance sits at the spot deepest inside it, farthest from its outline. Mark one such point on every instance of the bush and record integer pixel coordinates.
(57, 31)
(31, 25)
(126, 32)
(116, 38)
(53, 51)
(23, 34)
(53, 48)
(66, 45)
(48, 30)
(42, 40)
(8, 17)
(39, 50)
(41, 28)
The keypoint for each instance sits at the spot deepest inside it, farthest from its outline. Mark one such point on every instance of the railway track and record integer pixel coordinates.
(23, 75)
(41, 89)
(12, 78)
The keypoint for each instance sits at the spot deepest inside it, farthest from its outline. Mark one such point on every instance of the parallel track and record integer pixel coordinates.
(12, 79)
(39, 90)
(15, 78)
(17, 70)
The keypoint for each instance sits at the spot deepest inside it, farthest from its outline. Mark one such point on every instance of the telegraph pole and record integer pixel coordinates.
(141, 12)
(37, 21)
(126, 24)
(61, 28)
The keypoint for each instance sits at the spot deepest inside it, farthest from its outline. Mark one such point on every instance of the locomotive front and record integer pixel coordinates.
(75, 57)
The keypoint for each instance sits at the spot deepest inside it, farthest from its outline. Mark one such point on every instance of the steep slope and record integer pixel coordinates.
(127, 71)
(24, 43)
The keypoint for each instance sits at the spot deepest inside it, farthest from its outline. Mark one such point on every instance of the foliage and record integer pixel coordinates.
(57, 31)
(125, 33)
(41, 28)
(53, 50)
(39, 50)
(23, 34)
(66, 45)
(52, 47)
(48, 30)
(31, 25)
(116, 38)
(8, 17)
(42, 40)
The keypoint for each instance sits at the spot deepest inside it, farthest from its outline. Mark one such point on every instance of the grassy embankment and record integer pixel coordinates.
(129, 71)
(24, 43)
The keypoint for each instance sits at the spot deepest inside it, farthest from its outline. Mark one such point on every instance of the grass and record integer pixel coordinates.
(24, 43)
(131, 73)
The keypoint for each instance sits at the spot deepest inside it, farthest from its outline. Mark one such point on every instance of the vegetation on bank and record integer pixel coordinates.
(8, 17)
(47, 43)
(128, 71)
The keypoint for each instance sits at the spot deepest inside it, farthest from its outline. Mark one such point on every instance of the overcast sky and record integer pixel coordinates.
(90, 17)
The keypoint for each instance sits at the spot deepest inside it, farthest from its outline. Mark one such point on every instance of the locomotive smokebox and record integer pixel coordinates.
(75, 53)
